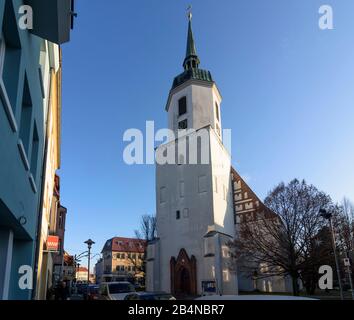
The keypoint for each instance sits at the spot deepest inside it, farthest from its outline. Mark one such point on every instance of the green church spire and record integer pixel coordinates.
(191, 60)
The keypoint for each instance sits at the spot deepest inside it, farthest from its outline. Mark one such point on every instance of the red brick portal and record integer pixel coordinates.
(183, 275)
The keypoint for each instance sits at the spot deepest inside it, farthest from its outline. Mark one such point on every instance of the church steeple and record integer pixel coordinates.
(191, 60)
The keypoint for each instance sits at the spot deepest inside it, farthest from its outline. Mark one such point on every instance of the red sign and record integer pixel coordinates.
(53, 243)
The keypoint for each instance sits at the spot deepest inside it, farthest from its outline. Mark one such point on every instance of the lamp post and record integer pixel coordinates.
(77, 270)
(347, 264)
(328, 216)
(89, 243)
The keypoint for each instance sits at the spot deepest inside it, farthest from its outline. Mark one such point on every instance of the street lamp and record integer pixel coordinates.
(328, 216)
(89, 243)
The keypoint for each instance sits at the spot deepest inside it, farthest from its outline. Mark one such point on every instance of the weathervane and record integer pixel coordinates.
(189, 11)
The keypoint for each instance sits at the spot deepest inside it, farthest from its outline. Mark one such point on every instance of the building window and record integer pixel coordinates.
(185, 213)
(225, 275)
(26, 117)
(60, 221)
(217, 111)
(215, 184)
(120, 268)
(181, 189)
(43, 67)
(35, 149)
(182, 106)
(11, 54)
(182, 125)
(162, 195)
(181, 159)
(2, 53)
(178, 215)
(225, 252)
(202, 184)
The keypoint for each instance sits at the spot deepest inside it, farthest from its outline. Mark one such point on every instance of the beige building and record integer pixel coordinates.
(81, 274)
(50, 62)
(68, 268)
(122, 258)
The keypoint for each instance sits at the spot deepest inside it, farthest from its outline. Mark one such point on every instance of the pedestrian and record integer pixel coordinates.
(64, 291)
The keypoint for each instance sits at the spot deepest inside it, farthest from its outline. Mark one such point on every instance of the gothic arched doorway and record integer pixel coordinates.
(183, 275)
(185, 285)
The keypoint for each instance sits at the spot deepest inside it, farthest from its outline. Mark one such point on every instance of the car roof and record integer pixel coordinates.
(146, 293)
(116, 282)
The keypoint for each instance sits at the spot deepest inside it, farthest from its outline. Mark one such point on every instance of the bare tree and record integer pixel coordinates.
(282, 237)
(144, 234)
(147, 231)
(344, 225)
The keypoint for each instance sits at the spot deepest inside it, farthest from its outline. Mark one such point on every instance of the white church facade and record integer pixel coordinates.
(196, 195)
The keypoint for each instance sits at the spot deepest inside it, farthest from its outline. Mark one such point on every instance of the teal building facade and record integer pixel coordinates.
(22, 139)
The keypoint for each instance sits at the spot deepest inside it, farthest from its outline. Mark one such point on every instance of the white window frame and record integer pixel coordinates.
(2, 53)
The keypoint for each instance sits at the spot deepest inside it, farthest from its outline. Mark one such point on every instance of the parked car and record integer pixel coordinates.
(115, 290)
(92, 292)
(81, 288)
(149, 296)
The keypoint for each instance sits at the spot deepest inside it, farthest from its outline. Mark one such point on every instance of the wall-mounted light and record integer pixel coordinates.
(22, 220)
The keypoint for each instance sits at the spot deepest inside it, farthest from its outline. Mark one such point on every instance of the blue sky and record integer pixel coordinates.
(287, 87)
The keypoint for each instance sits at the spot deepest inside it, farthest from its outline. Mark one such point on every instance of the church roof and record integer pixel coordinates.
(191, 63)
(195, 74)
(248, 207)
(191, 48)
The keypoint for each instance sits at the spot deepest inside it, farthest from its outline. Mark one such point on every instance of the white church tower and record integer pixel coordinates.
(194, 204)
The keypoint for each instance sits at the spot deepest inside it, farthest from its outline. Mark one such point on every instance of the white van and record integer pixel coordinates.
(115, 290)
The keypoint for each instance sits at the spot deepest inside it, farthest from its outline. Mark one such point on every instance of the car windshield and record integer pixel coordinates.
(93, 289)
(120, 288)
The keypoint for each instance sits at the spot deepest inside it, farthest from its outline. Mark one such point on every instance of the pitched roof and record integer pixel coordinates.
(119, 244)
(68, 260)
(247, 205)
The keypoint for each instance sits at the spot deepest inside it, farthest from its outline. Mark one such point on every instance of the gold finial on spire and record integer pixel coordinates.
(189, 12)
